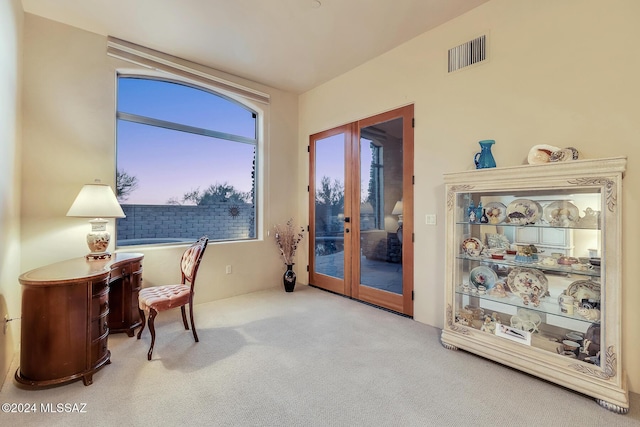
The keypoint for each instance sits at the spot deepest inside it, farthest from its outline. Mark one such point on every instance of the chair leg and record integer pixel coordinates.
(143, 322)
(193, 325)
(184, 318)
(152, 329)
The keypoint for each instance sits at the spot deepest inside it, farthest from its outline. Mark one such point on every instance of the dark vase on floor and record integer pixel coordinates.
(289, 278)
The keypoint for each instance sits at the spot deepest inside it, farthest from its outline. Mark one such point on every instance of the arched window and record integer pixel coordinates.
(185, 163)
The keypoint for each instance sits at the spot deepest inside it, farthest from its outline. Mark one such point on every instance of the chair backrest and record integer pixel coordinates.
(191, 261)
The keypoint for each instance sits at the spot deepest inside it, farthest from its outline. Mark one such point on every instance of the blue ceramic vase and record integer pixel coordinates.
(484, 159)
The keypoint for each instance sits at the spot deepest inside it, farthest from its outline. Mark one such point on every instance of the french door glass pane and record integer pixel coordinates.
(381, 171)
(329, 206)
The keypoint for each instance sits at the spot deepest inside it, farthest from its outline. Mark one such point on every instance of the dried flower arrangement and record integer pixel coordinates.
(287, 239)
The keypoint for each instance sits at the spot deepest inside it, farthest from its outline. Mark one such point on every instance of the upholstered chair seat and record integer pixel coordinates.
(162, 298)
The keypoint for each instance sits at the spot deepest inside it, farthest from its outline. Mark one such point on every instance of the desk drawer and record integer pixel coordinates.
(99, 326)
(100, 286)
(99, 349)
(120, 271)
(100, 304)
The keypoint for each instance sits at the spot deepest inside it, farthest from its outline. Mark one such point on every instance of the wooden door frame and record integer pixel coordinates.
(328, 284)
(400, 303)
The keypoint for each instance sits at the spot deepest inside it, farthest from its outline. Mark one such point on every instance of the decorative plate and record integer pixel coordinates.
(496, 212)
(472, 246)
(523, 211)
(498, 241)
(584, 289)
(561, 214)
(528, 281)
(483, 276)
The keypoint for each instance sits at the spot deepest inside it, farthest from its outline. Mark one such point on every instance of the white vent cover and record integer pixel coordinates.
(468, 53)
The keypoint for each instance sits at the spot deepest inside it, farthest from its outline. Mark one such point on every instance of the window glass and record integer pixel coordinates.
(176, 183)
(178, 103)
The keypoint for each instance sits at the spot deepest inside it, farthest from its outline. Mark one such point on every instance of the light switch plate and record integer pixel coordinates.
(430, 219)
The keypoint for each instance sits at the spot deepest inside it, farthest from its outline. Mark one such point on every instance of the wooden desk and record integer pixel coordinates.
(68, 311)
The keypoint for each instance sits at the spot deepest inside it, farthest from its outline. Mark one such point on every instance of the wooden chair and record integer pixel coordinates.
(165, 297)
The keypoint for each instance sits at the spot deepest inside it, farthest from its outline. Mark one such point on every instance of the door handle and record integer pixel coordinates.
(347, 219)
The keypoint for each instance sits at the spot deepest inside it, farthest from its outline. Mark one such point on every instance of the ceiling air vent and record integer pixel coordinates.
(468, 53)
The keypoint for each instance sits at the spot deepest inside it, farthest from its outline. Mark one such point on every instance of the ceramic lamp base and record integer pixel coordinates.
(98, 239)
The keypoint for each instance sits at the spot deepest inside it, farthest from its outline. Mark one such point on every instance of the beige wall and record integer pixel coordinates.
(69, 124)
(11, 17)
(560, 73)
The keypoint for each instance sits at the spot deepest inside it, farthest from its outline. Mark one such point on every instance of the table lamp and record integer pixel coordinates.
(397, 210)
(97, 201)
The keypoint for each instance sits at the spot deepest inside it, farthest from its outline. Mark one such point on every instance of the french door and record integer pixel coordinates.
(361, 210)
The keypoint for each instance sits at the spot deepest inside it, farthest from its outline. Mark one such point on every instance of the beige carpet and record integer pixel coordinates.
(308, 358)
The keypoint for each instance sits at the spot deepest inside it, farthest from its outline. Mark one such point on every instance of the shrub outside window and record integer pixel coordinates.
(185, 163)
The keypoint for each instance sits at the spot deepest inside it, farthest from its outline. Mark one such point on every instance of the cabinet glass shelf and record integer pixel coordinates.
(509, 261)
(507, 224)
(511, 303)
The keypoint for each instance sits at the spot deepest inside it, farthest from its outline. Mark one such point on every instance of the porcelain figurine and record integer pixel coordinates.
(592, 314)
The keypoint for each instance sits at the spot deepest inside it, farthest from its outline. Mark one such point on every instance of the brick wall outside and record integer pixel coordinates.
(186, 222)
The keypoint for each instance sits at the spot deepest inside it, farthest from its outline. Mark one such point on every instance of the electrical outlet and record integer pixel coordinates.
(228, 269)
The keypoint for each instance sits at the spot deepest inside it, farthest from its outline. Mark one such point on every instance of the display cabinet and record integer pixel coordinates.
(551, 313)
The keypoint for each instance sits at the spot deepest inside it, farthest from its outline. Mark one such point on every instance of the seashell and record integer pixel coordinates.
(564, 155)
(540, 154)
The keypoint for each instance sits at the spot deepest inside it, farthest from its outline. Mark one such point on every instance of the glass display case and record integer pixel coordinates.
(533, 272)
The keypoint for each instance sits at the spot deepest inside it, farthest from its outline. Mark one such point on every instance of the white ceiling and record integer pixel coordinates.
(287, 44)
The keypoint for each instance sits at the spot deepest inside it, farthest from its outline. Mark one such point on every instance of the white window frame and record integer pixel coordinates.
(260, 109)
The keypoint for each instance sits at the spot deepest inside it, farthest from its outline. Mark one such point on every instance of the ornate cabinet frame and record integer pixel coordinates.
(601, 181)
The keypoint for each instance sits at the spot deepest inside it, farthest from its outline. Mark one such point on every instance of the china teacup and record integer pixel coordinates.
(581, 267)
(571, 346)
(575, 336)
(550, 261)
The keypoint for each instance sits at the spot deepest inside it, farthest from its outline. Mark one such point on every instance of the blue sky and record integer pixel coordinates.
(157, 157)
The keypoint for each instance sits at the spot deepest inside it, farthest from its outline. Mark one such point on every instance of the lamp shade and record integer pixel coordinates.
(96, 201)
(397, 209)
(366, 208)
